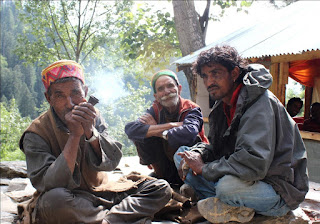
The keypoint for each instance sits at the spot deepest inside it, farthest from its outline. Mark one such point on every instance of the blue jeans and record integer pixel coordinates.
(257, 195)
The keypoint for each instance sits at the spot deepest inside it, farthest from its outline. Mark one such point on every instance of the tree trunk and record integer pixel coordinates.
(189, 34)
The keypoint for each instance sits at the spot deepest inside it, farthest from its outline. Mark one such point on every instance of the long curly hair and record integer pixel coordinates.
(225, 55)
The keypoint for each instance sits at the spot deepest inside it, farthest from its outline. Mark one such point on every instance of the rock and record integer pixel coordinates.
(7, 204)
(4, 181)
(18, 184)
(12, 169)
(7, 218)
(20, 196)
(19, 189)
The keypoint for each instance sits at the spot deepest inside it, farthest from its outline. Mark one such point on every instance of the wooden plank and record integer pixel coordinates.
(283, 80)
(308, 55)
(274, 70)
(307, 101)
(310, 135)
(284, 72)
(304, 134)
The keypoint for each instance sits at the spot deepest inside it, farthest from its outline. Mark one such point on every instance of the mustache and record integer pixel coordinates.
(212, 86)
(169, 96)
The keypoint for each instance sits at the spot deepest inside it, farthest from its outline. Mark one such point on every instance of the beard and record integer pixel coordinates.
(170, 100)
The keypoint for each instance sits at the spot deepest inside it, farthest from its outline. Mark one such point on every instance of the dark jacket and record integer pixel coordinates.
(261, 143)
(191, 130)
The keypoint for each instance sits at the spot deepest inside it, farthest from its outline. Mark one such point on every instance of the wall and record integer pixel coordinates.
(313, 155)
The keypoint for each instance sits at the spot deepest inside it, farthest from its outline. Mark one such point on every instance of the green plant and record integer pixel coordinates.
(12, 127)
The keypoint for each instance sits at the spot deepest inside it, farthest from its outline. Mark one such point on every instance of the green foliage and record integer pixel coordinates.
(71, 30)
(14, 86)
(148, 36)
(3, 62)
(17, 81)
(10, 28)
(12, 127)
(43, 107)
(122, 111)
(281, 4)
(226, 4)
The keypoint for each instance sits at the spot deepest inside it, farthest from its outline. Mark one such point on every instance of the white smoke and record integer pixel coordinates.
(107, 86)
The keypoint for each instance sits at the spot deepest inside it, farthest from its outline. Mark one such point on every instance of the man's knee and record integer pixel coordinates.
(54, 199)
(163, 188)
(229, 184)
(176, 158)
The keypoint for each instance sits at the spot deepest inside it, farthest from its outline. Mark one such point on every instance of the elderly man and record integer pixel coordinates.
(67, 151)
(256, 160)
(171, 122)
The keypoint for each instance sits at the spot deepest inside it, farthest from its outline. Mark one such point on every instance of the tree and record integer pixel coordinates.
(148, 36)
(12, 127)
(190, 39)
(157, 38)
(66, 29)
(14, 85)
(186, 32)
(10, 28)
(17, 81)
(27, 105)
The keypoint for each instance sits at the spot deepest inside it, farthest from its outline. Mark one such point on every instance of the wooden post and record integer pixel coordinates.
(274, 70)
(307, 101)
(283, 81)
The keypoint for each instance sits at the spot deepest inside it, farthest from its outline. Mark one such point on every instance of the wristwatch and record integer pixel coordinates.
(165, 134)
(95, 135)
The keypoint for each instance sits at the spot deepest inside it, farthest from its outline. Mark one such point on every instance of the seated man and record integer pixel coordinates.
(256, 160)
(313, 123)
(67, 151)
(170, 123)
(294, 106)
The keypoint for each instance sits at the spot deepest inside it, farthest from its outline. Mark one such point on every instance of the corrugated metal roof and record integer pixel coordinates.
(294, 29)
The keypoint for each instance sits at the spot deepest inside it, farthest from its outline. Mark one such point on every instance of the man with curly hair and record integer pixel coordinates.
(256, 160)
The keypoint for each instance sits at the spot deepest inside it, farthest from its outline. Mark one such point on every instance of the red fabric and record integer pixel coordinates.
(61, 69)
(298, 120)
(233, 102)
(305, 71)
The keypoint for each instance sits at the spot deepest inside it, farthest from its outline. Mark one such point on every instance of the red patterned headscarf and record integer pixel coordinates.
(61, 69)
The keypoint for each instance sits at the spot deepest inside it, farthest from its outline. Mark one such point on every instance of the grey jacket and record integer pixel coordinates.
(261, 143)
